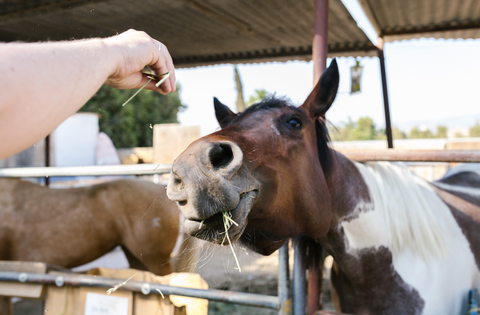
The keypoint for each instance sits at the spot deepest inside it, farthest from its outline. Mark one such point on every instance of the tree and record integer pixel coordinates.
(238, 81)
(257, 97)
(363, 129)
(441, 131)
(475, 130)
(131, 125)
(416, 133)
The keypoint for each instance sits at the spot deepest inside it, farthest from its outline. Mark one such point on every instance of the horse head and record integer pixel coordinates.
(267, 166)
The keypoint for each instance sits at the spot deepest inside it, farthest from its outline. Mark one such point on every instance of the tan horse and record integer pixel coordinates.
(71, 227)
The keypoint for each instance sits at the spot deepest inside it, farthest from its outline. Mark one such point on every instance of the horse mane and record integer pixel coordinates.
(323, 138)
(410, 208)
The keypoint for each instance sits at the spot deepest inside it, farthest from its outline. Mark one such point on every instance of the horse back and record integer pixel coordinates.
(461, 192)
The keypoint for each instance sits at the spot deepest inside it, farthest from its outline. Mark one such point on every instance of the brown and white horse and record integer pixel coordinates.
(401, 245)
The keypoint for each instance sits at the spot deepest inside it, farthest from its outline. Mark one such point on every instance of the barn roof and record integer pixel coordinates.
(196, 32)
(407, 19)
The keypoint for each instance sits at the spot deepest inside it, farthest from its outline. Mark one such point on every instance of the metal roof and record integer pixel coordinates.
(407, 19)
(196, 32)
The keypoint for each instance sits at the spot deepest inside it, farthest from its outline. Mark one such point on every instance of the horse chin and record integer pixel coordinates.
(212, 229)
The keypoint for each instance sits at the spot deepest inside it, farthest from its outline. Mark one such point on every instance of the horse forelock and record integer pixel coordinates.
(269, 102)
(323, 138)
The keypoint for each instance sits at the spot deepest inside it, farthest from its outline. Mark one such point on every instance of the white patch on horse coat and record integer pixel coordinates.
(460, 189)
(464, 167)
(429, 250)
(274, 128)
(156, 222)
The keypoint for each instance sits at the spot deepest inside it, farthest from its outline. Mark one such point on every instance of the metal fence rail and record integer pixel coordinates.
(146, 288)
(458, 156)
(136, 169)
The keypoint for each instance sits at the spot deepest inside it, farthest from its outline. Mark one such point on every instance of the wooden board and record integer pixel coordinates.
(169, 140)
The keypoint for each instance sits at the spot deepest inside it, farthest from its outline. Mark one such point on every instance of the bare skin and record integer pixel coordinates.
(44, 83)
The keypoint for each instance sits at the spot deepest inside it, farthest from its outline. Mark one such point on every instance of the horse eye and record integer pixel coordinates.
(294, 123)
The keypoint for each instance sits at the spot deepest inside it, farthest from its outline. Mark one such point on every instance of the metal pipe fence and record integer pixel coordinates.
(76, 280)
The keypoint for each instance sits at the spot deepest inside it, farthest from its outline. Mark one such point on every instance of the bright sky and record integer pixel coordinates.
(429, 80)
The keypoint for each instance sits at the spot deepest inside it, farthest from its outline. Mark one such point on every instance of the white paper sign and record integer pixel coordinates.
(99, 304)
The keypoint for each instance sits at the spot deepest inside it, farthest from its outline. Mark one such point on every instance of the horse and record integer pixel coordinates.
(74, 226)
(400, 245)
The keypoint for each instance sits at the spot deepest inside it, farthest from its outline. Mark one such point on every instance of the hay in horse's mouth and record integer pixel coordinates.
(203, 228)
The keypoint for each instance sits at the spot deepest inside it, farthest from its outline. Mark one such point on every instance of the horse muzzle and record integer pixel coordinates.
(209, 179)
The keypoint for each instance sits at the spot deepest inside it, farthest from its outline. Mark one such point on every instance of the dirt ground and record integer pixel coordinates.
(259, 275)
(217, 266)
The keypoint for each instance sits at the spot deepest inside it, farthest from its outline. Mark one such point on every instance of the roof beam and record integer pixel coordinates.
(50, 8)
(454, 26)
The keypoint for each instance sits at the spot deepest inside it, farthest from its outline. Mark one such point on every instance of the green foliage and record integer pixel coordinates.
(131, 125)
(416, 133)
(475, 130)
(363, 129)
(257, 97)
(441, 131)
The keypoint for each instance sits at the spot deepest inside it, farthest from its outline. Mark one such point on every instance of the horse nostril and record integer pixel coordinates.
(182, 203)
(220, 155)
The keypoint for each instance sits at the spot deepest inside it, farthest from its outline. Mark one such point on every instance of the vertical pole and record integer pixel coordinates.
(320, 39)
(47, 158)
(299, 272)
(319, 56)
(315, 277)
(388, 126)
(284, 281)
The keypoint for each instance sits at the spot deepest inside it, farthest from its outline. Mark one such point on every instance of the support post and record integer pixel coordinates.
(388, 126)
(47, 158)
(320, 39)
(284, 281)
(319, 56)
(315, 277)
(299, 276)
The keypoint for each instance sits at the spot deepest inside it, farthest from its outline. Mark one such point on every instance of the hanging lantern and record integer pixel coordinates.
(356, 74)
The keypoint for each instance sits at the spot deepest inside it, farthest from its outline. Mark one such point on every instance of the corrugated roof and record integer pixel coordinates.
(408, 19)
(195, 32)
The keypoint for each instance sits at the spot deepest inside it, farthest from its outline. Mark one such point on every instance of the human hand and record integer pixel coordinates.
(134, 50)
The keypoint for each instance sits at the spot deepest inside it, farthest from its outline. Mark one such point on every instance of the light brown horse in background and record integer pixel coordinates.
(71, 227)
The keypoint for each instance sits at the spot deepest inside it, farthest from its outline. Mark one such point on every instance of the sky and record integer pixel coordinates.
(430, 82)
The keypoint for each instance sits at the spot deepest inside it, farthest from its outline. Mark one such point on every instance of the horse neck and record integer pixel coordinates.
(354, 224)
(384, 205)
(347, 189)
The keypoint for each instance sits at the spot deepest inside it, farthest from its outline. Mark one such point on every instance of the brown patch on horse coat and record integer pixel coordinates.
(467, 216)
(368, 284)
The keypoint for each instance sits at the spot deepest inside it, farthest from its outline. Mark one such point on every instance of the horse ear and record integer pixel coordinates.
(323, 95)
(223, 113)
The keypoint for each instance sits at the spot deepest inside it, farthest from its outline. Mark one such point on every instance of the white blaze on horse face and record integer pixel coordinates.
(430, 252)
(272, 124)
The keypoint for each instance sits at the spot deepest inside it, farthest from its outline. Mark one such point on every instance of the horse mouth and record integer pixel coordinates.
(213, 228)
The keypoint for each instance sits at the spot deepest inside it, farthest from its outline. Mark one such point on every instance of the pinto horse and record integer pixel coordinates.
(400, 245)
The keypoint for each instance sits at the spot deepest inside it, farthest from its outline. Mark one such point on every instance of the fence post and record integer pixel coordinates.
(284, 281)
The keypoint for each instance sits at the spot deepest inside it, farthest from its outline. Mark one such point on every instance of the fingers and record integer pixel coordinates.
(138, 49)
(163, 65)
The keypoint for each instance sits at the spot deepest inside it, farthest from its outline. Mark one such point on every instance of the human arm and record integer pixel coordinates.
(42, 84)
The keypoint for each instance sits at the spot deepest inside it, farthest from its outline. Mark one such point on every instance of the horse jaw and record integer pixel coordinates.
(209, 180)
